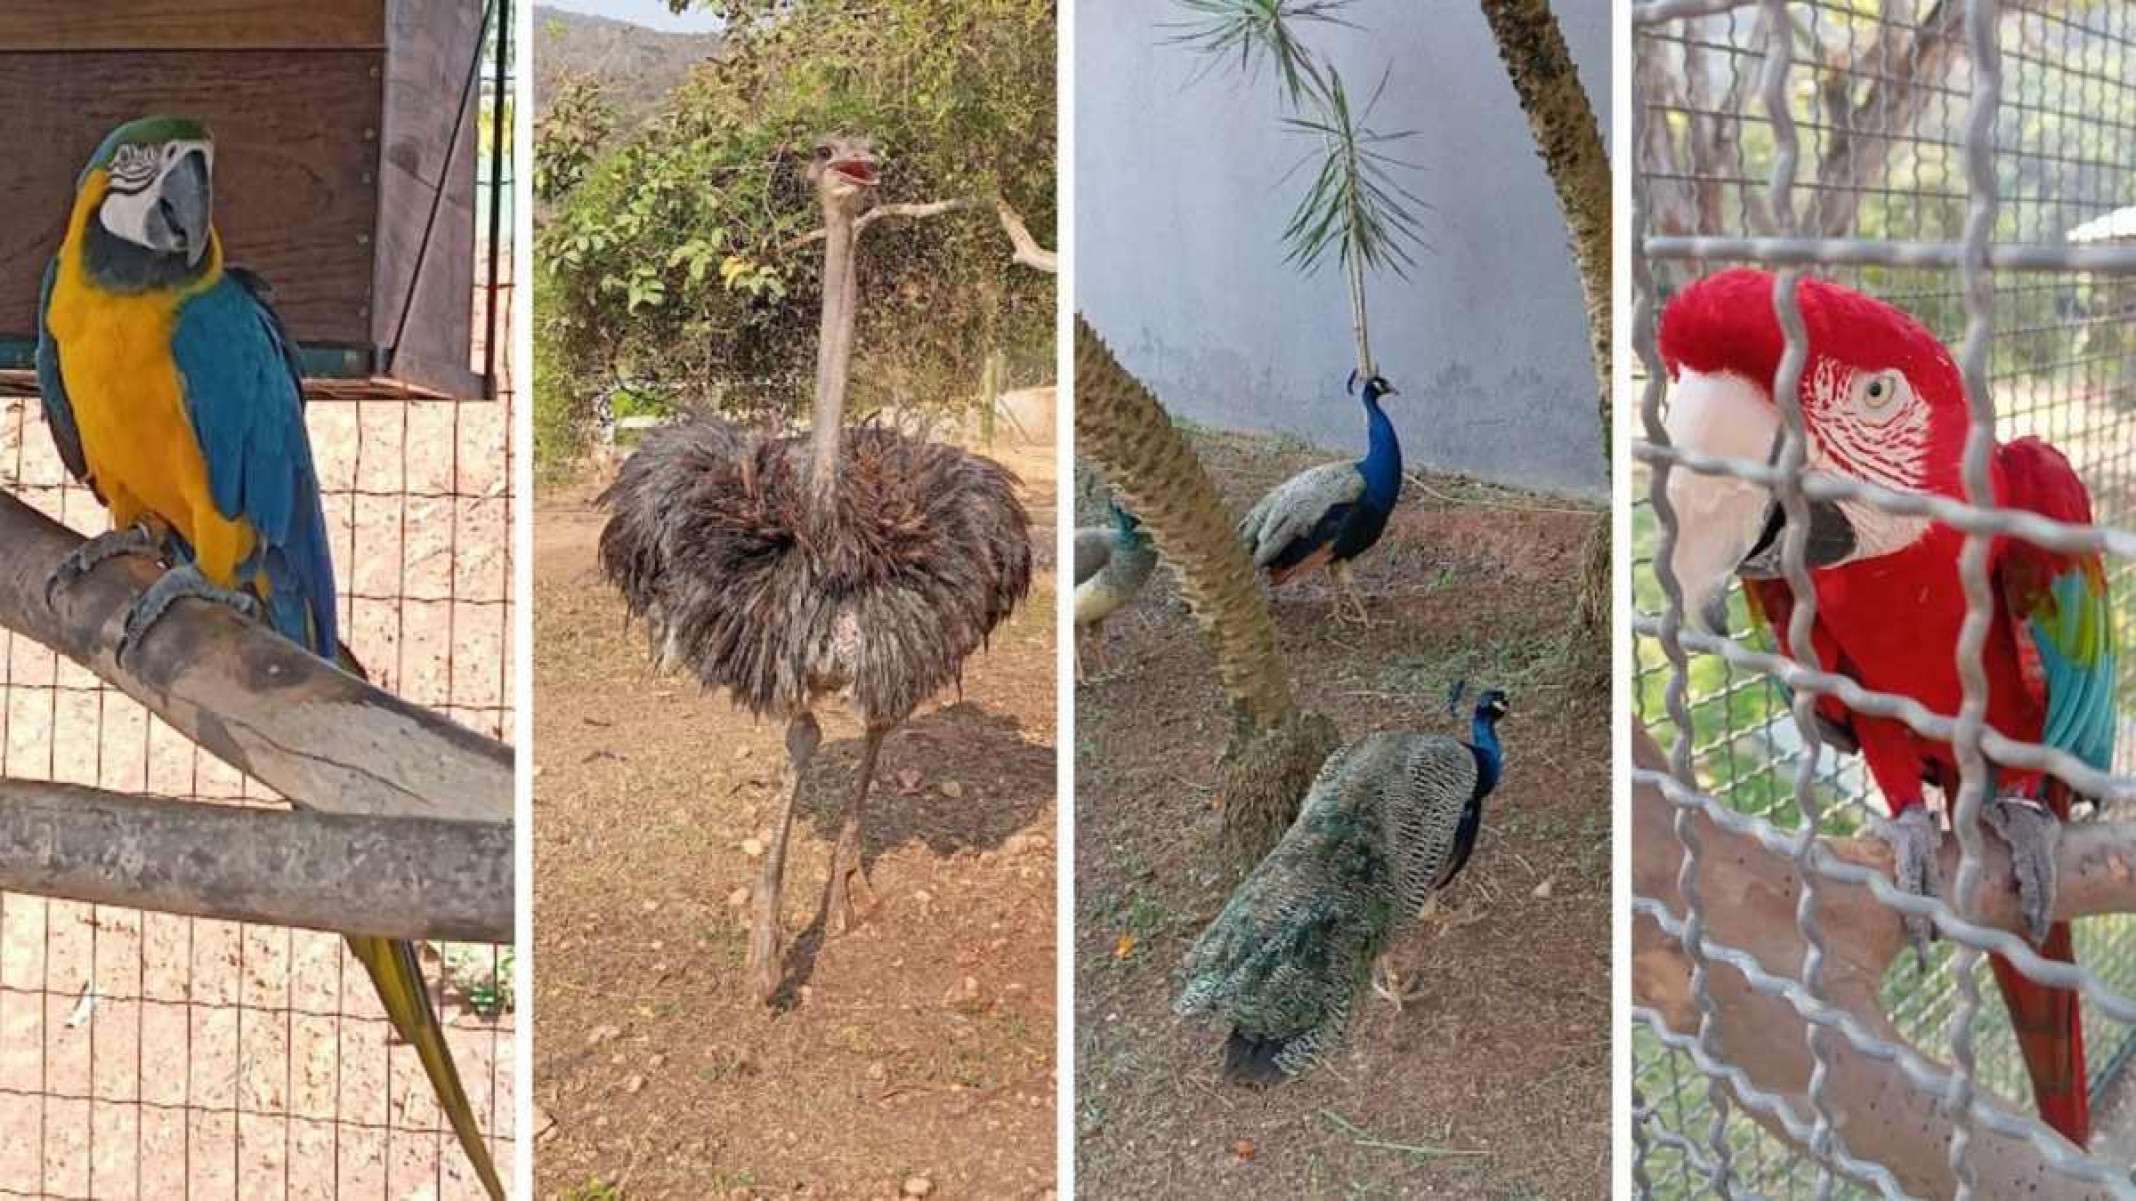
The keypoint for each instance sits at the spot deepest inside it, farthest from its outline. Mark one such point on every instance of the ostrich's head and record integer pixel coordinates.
(842, 170)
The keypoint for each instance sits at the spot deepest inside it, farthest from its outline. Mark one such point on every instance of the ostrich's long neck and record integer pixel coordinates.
(834, 349)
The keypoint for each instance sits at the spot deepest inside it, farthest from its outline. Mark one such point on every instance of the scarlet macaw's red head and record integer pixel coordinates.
(1881, 400)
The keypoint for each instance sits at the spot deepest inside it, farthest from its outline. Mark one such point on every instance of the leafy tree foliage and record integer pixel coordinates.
(679, 262)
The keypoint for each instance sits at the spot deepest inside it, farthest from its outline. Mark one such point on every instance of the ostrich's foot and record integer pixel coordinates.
(184, 580)
(2032, 832)
(762, 969)
(136, 539)
(851, 897)
(765, 945)
(1913, 837)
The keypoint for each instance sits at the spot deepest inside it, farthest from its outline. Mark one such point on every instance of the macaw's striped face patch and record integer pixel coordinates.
(159, 196)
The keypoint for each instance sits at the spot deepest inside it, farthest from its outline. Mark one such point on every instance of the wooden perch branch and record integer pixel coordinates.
(410, 878)
(1749, 895)
(1026, 249)
(315, 734)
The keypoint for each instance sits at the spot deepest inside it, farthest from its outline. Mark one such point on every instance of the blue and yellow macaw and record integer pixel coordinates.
(172, 390)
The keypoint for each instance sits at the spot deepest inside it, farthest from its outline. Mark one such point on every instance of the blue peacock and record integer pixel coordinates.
(1390, 821)
(1330, 514)
(1112, 563)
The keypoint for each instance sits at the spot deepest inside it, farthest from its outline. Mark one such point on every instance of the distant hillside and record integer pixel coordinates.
(637, 66)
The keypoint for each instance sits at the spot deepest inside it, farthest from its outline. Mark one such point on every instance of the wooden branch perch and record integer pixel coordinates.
(315, 734)
(1026, 249)
(393, 877)
(1750, 893)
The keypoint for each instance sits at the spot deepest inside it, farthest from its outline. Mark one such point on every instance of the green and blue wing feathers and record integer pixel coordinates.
(245, 398)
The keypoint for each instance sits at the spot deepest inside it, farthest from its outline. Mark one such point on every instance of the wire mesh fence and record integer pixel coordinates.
(1977, 176)
(145, 1055)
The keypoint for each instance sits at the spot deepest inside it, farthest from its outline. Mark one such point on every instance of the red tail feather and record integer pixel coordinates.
(2051, 1035)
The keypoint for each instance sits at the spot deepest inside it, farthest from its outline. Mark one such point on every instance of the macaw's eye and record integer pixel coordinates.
(1880, 396)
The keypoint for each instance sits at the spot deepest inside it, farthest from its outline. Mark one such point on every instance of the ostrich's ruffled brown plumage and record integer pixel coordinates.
(710, 539)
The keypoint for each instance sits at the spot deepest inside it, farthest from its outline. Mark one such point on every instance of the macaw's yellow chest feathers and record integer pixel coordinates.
(128, 399)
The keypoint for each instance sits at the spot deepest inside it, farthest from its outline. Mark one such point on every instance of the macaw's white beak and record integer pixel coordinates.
(1720, 520)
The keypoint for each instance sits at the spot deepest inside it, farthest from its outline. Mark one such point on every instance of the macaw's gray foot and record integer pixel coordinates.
(184, 580)
(135, 539)
(2033, 833)
(1914, 837)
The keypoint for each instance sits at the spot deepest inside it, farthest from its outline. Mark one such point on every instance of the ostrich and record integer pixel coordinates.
(847, 563)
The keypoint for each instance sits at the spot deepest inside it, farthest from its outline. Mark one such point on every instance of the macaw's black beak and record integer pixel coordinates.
(184, 204)
(1831, 541)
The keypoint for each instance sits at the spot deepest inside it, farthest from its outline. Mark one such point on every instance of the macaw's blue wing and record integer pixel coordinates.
(2060, 605)
(245, 397)
(58, 411)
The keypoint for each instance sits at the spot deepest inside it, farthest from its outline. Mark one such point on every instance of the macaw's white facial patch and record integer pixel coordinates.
(1718, 517)
(1869, 426)
(134, 200)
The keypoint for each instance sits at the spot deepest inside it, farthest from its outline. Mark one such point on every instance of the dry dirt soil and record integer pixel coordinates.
(917, 1049)
(1494, 1082)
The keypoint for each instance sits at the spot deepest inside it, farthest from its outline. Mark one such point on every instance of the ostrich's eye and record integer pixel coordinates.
(823, 151)
(1879, 396)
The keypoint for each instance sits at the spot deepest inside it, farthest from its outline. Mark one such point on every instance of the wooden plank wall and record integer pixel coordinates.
(190, 24)
(296, 165)
(432, 45)
(333, 122)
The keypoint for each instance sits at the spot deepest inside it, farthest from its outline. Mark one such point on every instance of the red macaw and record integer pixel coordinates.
(1883, 403)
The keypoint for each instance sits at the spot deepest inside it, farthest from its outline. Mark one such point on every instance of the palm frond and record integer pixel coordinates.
(1354, 204)
(1258, 33)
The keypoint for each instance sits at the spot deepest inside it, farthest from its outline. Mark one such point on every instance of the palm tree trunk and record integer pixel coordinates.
(1275, 750)
(1563, 123)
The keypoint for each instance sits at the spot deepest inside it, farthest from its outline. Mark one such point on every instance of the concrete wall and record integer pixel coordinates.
(1178, 262)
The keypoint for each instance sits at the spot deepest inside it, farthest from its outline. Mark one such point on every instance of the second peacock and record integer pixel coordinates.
(1390, 822)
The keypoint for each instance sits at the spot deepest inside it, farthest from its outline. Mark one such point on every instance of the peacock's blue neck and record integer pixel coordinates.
(1483, 739)
(1126, 530)
(1382, 464)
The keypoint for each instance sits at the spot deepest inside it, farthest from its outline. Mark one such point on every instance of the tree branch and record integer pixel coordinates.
(1750, 893)
(416, 878)
(1026, 249)
(315, 734)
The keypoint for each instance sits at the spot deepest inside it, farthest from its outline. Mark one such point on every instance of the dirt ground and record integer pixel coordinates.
(921, 1046)
(1495, 1082)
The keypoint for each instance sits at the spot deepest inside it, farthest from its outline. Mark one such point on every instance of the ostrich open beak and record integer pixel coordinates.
(1728, 527)
(856, 171)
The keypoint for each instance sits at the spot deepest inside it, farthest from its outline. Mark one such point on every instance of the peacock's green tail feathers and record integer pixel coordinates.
(1293, 948)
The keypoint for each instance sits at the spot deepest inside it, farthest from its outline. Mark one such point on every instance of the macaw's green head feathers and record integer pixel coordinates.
(155, 218)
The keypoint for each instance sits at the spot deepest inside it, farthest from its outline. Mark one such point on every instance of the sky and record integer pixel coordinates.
(653, 14)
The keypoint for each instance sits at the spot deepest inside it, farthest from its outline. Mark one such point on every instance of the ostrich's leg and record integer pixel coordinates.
(1079, 654)
(849, 879)
(802, 735)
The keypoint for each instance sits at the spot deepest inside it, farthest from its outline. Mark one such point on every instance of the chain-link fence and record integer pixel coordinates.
(146, 1055)
(1969, 163)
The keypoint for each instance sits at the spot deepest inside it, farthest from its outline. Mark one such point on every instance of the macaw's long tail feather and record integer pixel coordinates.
(1251, 1059)
(398, 976)
(346, 660)
(2051, 1036)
